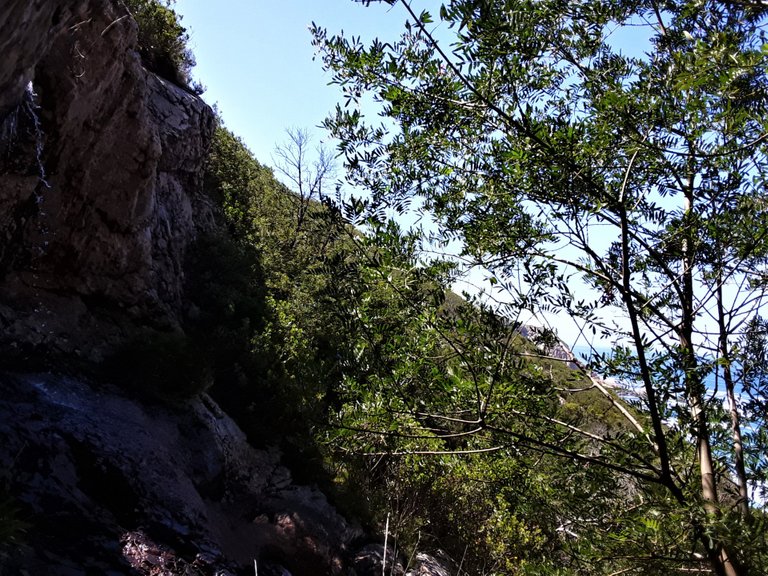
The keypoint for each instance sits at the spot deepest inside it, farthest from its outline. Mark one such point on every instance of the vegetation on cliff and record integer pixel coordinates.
(163, 41)
(355, 356)
(348, 348)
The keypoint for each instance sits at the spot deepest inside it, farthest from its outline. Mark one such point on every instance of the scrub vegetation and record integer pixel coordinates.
(330, 329)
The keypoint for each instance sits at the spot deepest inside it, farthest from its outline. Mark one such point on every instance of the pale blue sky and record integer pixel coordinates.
(255, 57)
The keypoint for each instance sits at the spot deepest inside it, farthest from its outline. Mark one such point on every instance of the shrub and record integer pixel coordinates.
(163, 41)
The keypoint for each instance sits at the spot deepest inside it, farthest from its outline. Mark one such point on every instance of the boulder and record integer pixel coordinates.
(428, 565)
(105, 482)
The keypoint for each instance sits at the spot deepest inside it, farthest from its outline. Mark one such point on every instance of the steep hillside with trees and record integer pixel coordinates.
(624, 190)
(159, 276)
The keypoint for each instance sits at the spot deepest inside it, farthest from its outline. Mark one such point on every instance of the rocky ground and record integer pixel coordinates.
(107, 482)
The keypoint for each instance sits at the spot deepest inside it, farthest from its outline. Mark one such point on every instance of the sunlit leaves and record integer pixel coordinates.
(560, 154)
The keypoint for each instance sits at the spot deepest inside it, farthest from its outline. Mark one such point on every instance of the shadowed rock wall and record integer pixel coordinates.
(107, 483)
(100, 181)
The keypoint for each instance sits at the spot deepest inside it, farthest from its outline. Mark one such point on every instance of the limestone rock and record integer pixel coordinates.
(429, 565)
(36, 24)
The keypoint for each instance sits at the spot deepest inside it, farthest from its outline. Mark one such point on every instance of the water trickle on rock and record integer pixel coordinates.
(31, 107)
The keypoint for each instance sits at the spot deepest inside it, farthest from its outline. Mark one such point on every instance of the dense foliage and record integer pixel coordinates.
(319, 334)
(442, 415)
(261, 290)
(621, 188)
(163, 41)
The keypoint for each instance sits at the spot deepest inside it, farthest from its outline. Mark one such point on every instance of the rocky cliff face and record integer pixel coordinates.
(100, 200)
(100, 180)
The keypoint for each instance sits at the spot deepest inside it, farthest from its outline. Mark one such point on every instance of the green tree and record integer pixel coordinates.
(563, 162)
(163, 41)
(264, 298)
(452, 423)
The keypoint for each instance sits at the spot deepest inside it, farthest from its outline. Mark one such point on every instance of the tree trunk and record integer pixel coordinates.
(719, 557)
(738, 451)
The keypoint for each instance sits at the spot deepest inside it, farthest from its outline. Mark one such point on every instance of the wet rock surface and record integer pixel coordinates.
(37, 24)
(106, 483)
